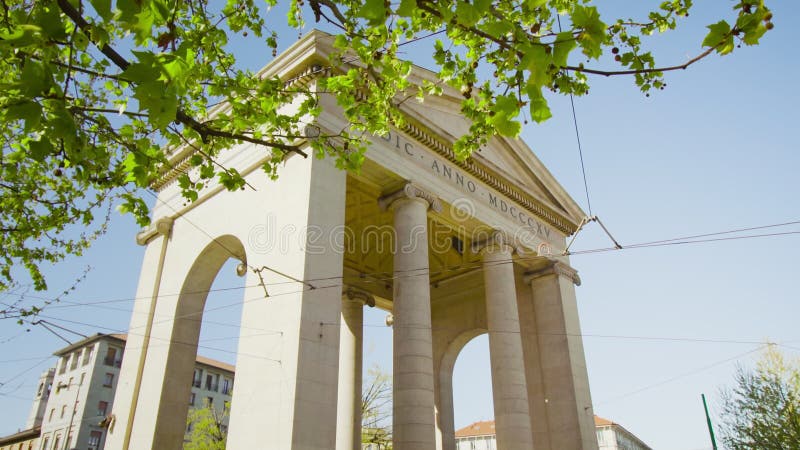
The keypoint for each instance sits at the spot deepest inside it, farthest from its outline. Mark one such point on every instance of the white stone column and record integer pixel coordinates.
(564, 378)
(413, 399)
(510, 391)
(348, 411)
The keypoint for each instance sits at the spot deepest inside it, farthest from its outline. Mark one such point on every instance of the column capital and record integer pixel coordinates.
(495, 240)
(360, 296)
(162, 226)
(411, 191)
(555, 267)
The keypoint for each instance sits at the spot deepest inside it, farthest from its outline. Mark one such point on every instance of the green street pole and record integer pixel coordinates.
(708, 420)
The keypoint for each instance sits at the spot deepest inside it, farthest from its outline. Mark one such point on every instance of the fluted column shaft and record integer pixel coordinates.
(413, 406)
(511, 409)
(348, 410)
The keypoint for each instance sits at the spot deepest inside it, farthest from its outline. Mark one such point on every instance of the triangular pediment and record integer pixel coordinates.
(510, 159)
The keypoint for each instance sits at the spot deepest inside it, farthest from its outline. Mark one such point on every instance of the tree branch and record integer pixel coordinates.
(633, 72)
(203, 130)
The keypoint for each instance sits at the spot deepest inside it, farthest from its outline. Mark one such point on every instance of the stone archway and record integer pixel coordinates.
(182, 353)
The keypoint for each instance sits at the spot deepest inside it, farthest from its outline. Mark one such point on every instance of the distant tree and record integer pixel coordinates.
(762, 411)
(206, 428)
(376, 409)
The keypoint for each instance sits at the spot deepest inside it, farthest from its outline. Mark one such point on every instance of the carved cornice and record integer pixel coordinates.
(359, 296)
(411, 190)
(439, 145)
(162, 226)
(555, 268)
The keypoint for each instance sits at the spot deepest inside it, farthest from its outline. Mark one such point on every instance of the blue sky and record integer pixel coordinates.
(715, 151)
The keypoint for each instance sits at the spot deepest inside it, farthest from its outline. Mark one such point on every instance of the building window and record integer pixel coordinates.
(94, 439)
(112, 359)
(87, 354)
(108, 380)
(212, 382)
(191, 399)
(63, 367)
(52, 411)
(70, 383)
(83, 377)
(63, 411)
(41, 390)
(209, 401)
(74, 361)
(57, 442)
(102, 407)
(45, 441)
(197, 379)
(226, 386)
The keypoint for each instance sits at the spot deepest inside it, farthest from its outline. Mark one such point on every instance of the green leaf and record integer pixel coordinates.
(540, 111)
(467, 14)
(40, 149)
(564, 44)
(593, 35)
(720, 37)
(533, 4)
(374, 11)
(506, 107)
(29, 111)
(103, 8)
(407, 8)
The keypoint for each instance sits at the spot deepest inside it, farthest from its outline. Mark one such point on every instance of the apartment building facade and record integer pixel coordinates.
(72, 405)
(610, 436)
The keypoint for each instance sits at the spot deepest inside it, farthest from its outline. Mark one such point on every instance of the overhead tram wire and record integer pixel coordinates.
(383, 277)
(578, 138)
(680, 376)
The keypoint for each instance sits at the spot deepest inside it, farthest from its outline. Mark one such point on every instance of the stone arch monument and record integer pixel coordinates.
(452, 249)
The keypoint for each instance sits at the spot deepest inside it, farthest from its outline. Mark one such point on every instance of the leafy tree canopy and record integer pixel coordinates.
(763, 409)
(94, 93)
(206, 428)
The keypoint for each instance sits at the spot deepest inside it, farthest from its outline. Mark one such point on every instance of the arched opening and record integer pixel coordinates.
(473, 405)
(376, 418)
(200, 365)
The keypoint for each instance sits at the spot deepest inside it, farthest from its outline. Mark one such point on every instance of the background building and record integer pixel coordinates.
(610, 436)
(73, 401)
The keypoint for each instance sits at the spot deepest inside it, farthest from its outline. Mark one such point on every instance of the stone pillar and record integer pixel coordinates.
(348, 411)
(511, 409)
(413, 397)
(565, 381)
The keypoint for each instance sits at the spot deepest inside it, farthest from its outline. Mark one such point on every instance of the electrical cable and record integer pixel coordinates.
(683, 375)
(578, 138)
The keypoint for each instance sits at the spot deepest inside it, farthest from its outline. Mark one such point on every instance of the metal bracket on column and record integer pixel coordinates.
(555, 267)
(411, 190)
(162, 226)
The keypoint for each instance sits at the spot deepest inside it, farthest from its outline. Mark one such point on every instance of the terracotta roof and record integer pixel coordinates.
(215, 363)
(601, 422)
(484, 428)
